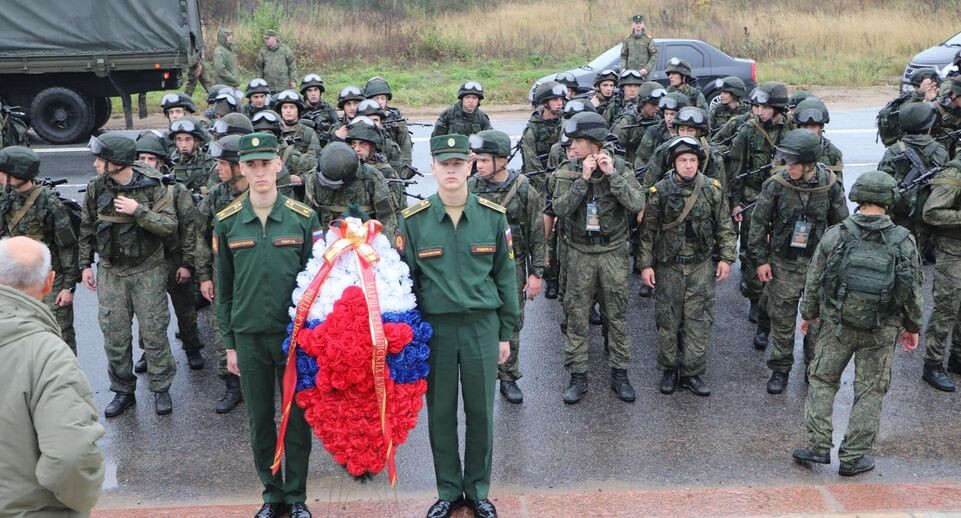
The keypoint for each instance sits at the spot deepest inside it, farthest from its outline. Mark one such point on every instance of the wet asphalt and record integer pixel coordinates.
(739, 435)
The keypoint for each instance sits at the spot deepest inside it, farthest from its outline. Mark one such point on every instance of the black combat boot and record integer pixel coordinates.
(120, 403)
(752, 314)
(551, 291)
(954, 364)
(695, 385)
(760, 338)
(576, 389)
(645, 291)
(865, 463)
(777, 382)
(162, 403)
(936, 377)
(511, 392)
(195, 359)
(668, 381)
(141, 366)
(232, 395)
(809, 455)
(622, 386)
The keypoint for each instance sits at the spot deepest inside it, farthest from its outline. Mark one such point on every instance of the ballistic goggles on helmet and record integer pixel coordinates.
(668, 103)
(269, 116)
(183, 126)
(810, 116)
(695, 117)
(473, 86)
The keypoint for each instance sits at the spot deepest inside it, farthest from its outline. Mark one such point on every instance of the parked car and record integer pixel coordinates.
(940, 56)
(708, 63)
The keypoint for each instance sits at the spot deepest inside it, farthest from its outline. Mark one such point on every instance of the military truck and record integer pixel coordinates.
(63, 61)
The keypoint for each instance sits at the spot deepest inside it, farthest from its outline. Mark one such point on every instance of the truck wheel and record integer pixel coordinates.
(60, 115)
(102, 109)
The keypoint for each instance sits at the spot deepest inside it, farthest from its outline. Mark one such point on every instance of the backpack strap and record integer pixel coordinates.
(513, 191)
(688, 204)
(15, 219)
(832, 179)
(763, 131)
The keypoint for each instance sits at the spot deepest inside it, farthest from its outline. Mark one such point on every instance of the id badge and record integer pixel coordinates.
(593, 223)
(801, 235)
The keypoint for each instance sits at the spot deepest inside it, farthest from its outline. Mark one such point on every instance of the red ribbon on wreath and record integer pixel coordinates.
(360, 244)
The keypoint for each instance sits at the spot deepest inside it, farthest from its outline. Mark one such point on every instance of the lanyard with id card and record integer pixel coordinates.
(801, 234)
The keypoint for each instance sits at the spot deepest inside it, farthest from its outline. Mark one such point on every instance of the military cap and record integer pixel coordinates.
(637, 18)
(19, 162)
(875, 187)
(258, 146)
(490, 142)
(270, 33)
(446, 147)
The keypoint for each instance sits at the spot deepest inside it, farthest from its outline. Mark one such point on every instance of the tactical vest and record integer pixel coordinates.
(118, 237)
(692, 241)
(612, 215)
(793, 204)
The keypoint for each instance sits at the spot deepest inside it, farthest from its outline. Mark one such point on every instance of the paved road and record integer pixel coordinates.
(738, 436)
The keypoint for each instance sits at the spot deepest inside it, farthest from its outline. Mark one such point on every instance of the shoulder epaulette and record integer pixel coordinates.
(298, 207)
(653, 189)
(717, 183)
(414, 209)
(230, 210)
(491, 205)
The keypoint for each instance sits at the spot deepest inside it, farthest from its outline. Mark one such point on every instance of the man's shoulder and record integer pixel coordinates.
(230, 210)
(298, 208)
(417, 208)
(484, 202)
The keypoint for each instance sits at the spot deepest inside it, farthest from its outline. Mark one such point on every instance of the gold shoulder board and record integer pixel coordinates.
(414, 209)
(717, 183)
(298, 207)
(491, 205)
(230, 210)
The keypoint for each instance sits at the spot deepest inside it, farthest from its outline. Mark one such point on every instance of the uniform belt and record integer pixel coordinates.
(592, 240)
(689, 259)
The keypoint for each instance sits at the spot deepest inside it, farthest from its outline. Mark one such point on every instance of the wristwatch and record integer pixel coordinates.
(539, 273)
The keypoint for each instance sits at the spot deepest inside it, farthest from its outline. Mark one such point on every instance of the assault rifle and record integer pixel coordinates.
(400, 181)
(918, 174)
(393, 123)
(759, 170)
(956, 134)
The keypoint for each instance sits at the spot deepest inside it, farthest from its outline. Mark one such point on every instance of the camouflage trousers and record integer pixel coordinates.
(684, 316)
(191, 79)
(64, 316)
(873, 354)
(944, 319)
(782, 294)
(751, 286)
(121, 297)
(182, 299)
(510, 370)
(603, 276)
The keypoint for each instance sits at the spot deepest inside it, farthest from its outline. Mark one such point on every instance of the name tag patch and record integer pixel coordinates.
(428, 253)
(288, 241)
(482, 249)
(241, 243)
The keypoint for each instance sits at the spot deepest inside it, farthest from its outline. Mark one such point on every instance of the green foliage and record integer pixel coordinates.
(432, 45)
(267, 16)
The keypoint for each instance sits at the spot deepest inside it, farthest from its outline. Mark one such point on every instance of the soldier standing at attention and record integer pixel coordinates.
(943, 212)
(192, 165)
(127, 213)
(794, 209)
(465, 116)
(864, 283)
(638, 51)
(525, 214)
(686, 222)
(461, 257)
(260, 244)
(595, 196)
(30, 209)
(276, 64)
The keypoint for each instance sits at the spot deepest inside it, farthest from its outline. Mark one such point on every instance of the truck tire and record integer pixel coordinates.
(61, 115)
(102, 109)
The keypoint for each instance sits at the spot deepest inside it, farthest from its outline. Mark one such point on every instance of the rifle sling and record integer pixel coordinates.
(23, 210)
(688, 204)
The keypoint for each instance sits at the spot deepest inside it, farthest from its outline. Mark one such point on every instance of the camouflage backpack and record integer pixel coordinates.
(889, 129)
(864, 278)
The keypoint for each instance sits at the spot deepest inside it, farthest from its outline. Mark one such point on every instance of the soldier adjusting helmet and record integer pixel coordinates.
(586, 125)
(470, 88)
(919, 75)
(114, 148)
(337, 164)
(811, 111)
(875, 187)
(681, 145)
(19, 162)
(798, 147)
(490, 142)
(916, 117)
(312, 80)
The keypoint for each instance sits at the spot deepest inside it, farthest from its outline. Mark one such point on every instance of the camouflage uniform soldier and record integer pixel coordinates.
(724, 136)
(950, 116)
(257, 95)
(525, 207)
(629, 84)
(663, 131)
(942, 210)
(752, 151)
(231, 124)
(604, 85)
(186, 254)
(794, 209)
(859, 318)
(276, 64)
(342, 181)
(595, 196)
(916, 120)
(370, 109)
(197, 72)
(685, 223)
(348, 100)
(221, 100)
(225, 62)
(543, 130)
(638, 52)
(232, 187)
(192, 165)
(465, 116)
(811, 114)
(926, 83)
(127, 212)
(558, 153)
(294, 168)
(367, 139)
(730, 102)
(690, 121)
(631, 124)
(177, 106)
(316, 109)
(32, 210)
(395, 124)
(297, 134)
(681, 75)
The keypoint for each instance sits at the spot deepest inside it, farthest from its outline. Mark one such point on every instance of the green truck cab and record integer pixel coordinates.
(63, 61)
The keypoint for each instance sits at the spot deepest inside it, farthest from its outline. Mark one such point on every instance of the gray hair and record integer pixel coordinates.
(23, 269)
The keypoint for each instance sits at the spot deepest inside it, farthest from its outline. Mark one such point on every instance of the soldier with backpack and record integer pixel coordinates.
(864, 285)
